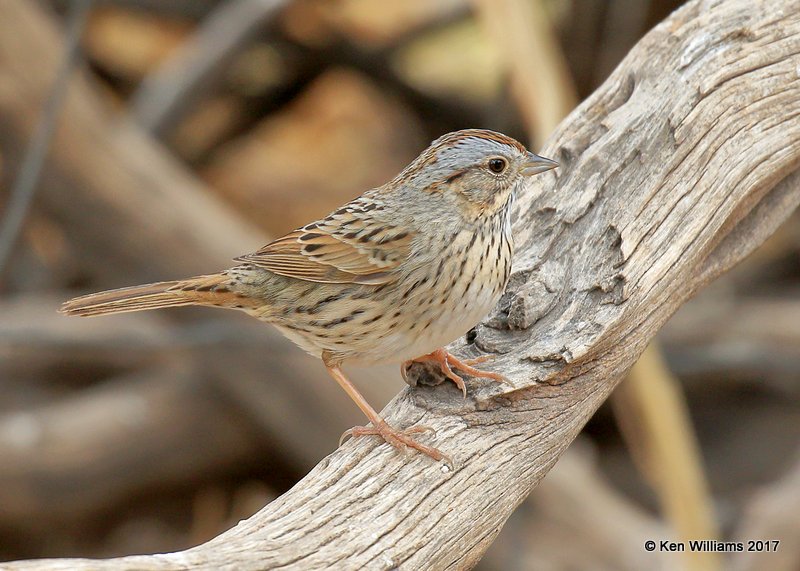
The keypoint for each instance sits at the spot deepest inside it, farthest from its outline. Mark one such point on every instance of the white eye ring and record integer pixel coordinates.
(497, 165)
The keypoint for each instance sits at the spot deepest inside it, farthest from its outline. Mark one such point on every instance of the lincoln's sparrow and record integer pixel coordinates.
(393, 275)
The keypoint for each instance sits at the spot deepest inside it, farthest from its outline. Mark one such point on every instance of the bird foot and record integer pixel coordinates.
(400, 439)
(448, 361)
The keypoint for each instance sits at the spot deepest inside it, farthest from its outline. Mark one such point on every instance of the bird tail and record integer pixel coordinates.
(202, 290)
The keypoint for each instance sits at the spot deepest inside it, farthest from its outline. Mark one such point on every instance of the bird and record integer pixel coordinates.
(394, 275)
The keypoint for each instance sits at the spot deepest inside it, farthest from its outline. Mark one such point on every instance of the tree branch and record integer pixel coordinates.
(673, 171)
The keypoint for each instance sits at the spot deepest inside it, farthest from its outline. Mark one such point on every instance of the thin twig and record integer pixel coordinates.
(24, 189)
(164, 97)
(194, 9)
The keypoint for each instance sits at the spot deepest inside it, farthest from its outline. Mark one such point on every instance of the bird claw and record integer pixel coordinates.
(466, 365)
(448, 361)
(400, 439)
(474, 360)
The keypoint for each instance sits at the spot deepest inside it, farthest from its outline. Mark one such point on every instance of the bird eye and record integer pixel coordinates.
(497, 165)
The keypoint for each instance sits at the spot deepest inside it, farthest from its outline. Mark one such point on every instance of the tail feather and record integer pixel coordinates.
(202, 290)
(135, 298)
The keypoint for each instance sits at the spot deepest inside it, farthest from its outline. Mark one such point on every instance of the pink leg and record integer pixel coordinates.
(397, 438)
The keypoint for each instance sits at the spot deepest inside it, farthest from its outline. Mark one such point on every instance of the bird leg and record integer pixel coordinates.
(398, 438)
(448, 361)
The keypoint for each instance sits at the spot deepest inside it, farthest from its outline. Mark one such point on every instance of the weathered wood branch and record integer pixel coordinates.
(672, 172)
(169, 424)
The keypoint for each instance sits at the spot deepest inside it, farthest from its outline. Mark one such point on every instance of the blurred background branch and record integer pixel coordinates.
(541, 81)
(24, 188)
(168, 94)
(655, 423)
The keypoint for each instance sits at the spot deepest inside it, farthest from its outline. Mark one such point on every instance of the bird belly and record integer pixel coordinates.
(306, 342)
(460, 306)
(418, 314)
(382, 342)
(450, 325)
(438, 315)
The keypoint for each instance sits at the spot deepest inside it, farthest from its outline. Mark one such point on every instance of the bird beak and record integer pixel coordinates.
(536, 164)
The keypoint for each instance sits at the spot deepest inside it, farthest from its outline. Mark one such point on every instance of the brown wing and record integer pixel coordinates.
(349, 246)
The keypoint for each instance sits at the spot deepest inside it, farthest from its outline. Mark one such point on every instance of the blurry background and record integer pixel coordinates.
(195, 130)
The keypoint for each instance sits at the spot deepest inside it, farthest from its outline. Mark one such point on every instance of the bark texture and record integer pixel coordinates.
(672, 172)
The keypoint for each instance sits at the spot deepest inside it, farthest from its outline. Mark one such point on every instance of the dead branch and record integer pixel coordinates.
(672, 172)
(120, 422)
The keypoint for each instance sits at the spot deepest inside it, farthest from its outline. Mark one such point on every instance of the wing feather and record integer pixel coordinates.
(349, 246)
